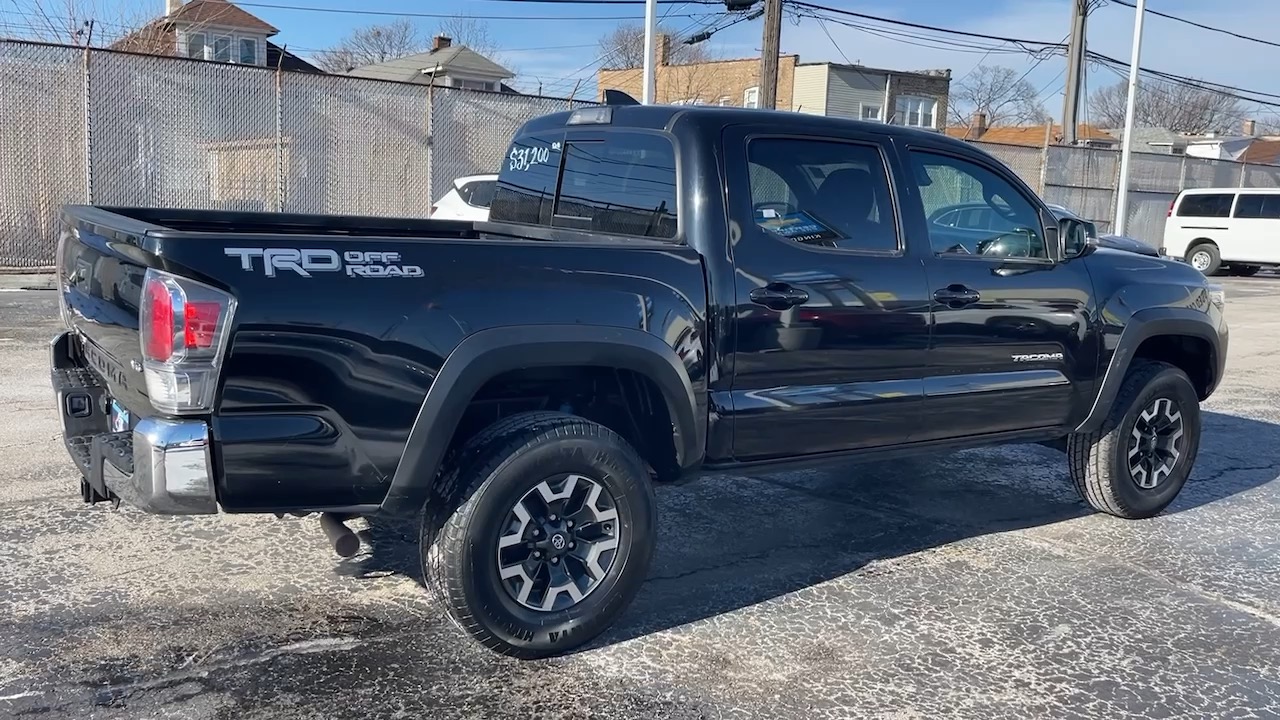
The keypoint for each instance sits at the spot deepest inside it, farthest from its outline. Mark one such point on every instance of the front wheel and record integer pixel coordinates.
(1205, 258)
(548, 538)
(1136, 464)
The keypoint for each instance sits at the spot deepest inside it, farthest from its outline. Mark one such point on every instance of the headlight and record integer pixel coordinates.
(1218, 295)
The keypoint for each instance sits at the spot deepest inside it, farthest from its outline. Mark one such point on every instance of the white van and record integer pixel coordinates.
(1231, 229)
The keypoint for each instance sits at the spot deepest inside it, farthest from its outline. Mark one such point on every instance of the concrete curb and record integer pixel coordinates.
(32, 281)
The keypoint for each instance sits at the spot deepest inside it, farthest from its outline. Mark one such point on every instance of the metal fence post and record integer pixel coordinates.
(1115, 191)
(1044, 166)
(1244, 167)
(281, 185)
(431, 140)
(88, 128)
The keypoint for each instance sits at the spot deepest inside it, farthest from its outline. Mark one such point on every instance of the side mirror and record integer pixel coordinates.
(1073, 238)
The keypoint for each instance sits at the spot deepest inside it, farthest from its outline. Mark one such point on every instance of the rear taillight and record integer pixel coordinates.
(184, 327)
(1171, 203)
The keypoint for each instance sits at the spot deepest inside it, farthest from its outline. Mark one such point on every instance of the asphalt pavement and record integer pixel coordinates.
(970, 585)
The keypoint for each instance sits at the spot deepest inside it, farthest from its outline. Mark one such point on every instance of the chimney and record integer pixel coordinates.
(1250, 128)
(440, 42)
(977, 125)
(663, 49)
(172, 6)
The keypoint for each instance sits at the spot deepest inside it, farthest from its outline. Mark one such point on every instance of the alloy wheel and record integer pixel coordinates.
(558, 542)
(1156, 443)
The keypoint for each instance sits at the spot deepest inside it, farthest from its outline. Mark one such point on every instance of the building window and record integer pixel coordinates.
(689, 101)
(723, 101)
(248, 51)
(915, 111)
(751, 97)
(870, 112)
(196, 45)
(222, 49)
(472, 84)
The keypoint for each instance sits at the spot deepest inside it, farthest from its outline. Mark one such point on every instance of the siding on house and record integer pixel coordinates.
(810, 93)
(849, 90)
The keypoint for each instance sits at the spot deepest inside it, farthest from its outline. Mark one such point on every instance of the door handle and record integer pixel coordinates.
(779, 296)
(956, 296)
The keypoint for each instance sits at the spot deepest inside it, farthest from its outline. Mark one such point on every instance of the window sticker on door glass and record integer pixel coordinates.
(798, 226)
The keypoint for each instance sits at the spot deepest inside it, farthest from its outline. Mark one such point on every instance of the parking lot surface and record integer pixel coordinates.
(971, 585)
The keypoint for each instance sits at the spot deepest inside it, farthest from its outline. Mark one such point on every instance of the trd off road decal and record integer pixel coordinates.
(355, 263)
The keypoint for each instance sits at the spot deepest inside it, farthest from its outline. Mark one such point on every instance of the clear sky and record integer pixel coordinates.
(550, 44)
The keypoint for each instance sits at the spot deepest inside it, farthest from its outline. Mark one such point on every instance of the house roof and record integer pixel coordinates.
(455, 58)
(280, 57)
(1028, 135)
(933, 74)
(1262, 152)
(220, 13)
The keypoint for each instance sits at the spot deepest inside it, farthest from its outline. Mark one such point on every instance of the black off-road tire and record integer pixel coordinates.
(1214, 258)
(1099, 461)
(464, 517)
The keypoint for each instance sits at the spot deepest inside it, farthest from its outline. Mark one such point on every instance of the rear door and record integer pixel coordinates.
(831, 327)
(1255, 229)
(1010, 322)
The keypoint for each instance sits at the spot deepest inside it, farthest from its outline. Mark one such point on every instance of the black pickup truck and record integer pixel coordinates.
(659, 291)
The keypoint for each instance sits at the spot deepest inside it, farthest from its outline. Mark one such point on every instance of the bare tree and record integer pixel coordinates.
(624, 48)
(69, 21)
(473, 33)
(1173, 106)
(372, 44)
(1000, 93)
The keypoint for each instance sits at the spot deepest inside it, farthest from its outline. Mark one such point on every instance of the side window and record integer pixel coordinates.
(823, 193)
(480, 193)
(1258, 206)
(526, 189)
(625, 185)
(999, 220)
(1213, 205)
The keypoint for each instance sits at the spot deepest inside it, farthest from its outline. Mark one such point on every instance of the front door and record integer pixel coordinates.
(831, 326)
(1010, 321)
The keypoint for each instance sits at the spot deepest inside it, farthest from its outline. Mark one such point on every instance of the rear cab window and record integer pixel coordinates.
(615, 182)
(1209, 205)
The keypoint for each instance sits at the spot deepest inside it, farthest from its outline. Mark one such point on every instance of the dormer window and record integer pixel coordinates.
(248, 51)
(196, 43)
(222, 48)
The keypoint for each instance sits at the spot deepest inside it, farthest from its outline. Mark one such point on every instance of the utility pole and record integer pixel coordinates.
(770, 46)
(1130, 110)
(1075, 71)
(650, 42)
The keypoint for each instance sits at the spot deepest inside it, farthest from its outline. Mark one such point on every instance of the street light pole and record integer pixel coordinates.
(1122, 197)
(650, 41)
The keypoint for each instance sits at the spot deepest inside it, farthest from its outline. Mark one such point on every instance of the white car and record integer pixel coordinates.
(468, 199)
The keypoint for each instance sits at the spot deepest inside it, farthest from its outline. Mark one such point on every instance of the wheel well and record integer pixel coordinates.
(1192, 355)
(625, 401)
(1198, 242)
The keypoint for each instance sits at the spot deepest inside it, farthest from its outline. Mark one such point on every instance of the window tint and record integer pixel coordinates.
(822, 193)
(527, 183)
(624, 185)
(478, 193)
(1258, 206)
(994, 218)
(1216, 205)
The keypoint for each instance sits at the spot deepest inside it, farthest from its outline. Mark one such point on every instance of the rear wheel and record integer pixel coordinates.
(548, 535)
(1136, 464)
(1205, 258)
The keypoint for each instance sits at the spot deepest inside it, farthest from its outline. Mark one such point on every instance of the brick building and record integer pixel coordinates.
(733, 83)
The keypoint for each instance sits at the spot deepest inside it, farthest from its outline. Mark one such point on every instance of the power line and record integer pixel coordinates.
(342, 11)
(1202, 26)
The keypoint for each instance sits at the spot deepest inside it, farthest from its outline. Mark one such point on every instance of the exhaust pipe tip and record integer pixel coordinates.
(345, 542)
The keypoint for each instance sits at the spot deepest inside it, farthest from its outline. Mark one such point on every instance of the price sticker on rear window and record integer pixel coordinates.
(798, 226)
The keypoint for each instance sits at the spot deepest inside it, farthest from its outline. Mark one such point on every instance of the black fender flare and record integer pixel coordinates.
(486, 354)
(1142, 325)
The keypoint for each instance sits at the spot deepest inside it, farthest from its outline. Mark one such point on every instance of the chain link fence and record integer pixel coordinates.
(112, 128)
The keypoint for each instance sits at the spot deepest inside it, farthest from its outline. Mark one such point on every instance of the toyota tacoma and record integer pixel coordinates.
(658, 292)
